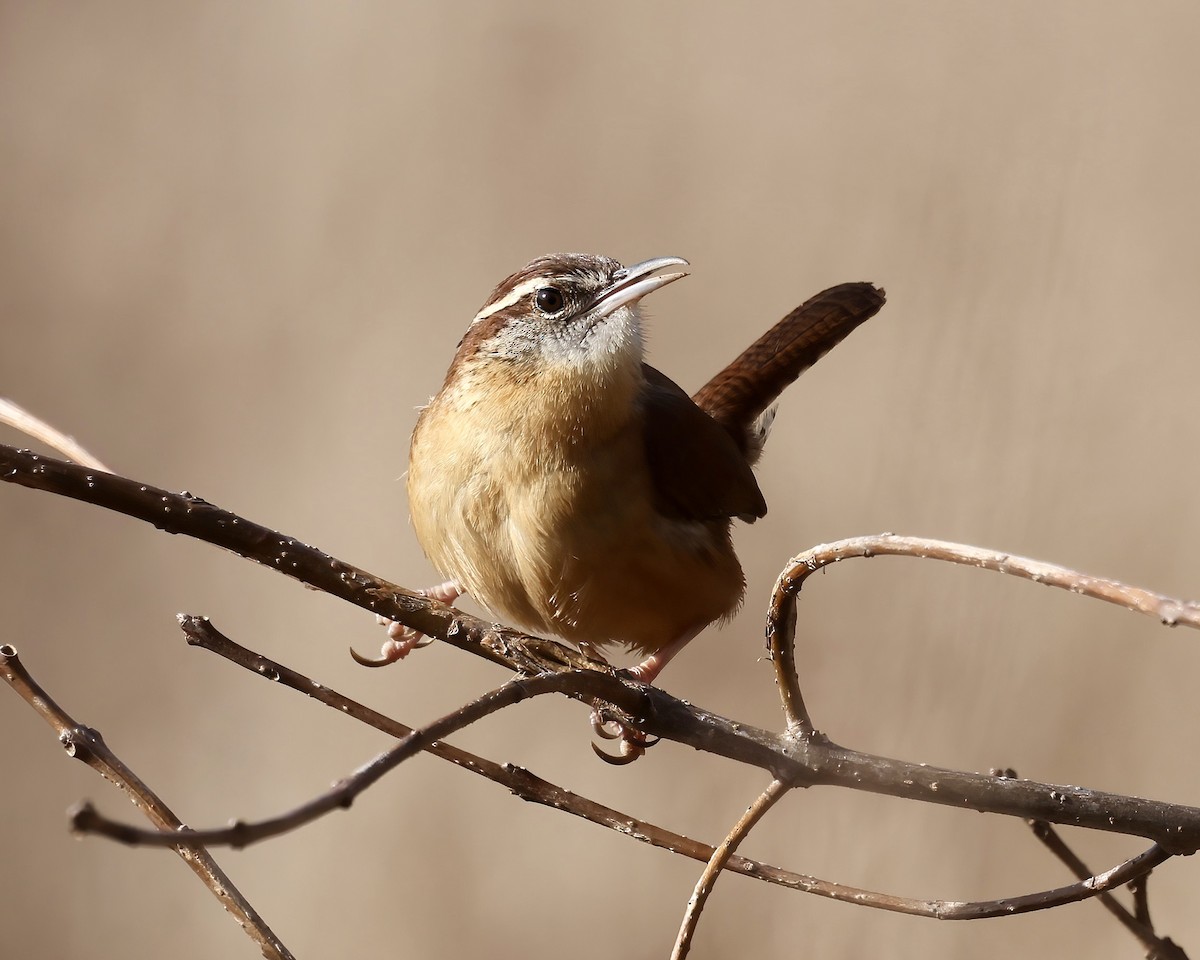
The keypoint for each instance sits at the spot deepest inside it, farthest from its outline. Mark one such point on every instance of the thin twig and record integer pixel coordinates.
(1058, 846)
(1158, 948)
(86, 744)
(526, 785)
(712, 870)
(344, 792)
(1140, 888)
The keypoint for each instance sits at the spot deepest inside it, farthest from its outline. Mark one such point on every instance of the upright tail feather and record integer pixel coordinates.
(738, 395)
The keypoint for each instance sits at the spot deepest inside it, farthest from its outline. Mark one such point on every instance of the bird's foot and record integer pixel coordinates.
(402, 640)
(633, 742)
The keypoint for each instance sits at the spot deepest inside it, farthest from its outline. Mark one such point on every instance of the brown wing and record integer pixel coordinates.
(697, 469)
(737, 395)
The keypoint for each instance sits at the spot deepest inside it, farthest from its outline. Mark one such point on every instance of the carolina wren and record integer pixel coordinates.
(574, 490)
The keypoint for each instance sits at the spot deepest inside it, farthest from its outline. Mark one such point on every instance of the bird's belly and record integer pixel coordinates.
(647, 583)
(580, 554)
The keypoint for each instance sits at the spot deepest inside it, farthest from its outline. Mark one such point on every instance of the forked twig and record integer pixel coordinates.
(86, 744)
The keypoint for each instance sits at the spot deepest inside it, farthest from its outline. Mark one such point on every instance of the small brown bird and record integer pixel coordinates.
(574, 490)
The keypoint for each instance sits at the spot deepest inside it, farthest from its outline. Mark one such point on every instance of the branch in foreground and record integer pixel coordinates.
(200, 632)
(86, 744)
(793, 760)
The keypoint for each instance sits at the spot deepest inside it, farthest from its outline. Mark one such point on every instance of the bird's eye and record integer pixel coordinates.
(549, 300)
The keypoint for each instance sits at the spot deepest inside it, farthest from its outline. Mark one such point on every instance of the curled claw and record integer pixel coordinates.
(403, 640)
(633, 745)
(400, 643)
(369, 661)
(607, 729)
(630, 751)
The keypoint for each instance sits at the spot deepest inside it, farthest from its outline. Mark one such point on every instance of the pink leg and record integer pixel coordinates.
(633, 744)
(649, 669)
(403, 640)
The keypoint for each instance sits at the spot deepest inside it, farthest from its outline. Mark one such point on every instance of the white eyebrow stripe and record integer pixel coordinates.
(517, 293)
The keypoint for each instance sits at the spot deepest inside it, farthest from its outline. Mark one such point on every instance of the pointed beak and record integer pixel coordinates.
(630, 284)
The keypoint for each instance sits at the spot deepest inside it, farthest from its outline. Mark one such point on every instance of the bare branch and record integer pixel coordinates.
(781, 616)
(1141, 900)
(708, 879)
(1157, 948)
(1167, 610)
(526, 785)
(344, 792)
(781, 643)
(183, 513)
(794, 760)
(86, 744)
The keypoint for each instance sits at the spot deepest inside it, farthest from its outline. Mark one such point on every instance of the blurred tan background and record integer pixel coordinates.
(238, 243)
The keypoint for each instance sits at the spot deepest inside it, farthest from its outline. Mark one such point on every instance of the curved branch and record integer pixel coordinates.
(781, 644)
(782, 613)
(1167, 610)
(708, 879)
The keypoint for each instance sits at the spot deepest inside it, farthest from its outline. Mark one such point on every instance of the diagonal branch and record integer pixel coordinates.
(526, 785)
(794, 760)
(530, 787)
(344, 792)
(183, 513)
(86, 744)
